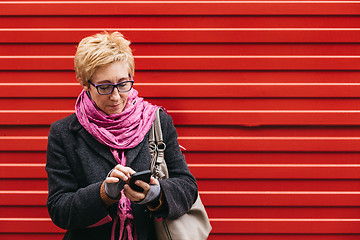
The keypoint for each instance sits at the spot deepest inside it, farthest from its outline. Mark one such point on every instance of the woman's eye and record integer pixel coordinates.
(105, 87)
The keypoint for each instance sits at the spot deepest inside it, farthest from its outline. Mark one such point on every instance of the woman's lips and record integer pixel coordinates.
(115, 106)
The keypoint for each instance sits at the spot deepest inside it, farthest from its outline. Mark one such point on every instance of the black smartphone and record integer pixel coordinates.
(143, 176)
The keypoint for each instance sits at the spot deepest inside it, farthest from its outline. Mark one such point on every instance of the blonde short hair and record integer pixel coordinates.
(99, 50)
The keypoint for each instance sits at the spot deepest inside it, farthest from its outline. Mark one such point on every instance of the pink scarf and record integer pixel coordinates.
(118, 131)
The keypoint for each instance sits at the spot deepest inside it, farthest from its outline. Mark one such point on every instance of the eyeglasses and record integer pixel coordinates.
(108, 88)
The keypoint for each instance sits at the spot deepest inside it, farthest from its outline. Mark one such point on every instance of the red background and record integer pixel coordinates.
(264, 94)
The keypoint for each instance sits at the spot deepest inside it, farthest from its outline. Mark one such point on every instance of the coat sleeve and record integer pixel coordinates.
(180, 189)
(70, 206)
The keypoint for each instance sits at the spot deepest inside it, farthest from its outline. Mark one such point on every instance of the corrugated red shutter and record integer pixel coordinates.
(264, 94)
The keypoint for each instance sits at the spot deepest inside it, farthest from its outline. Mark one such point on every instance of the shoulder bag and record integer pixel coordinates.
(195, 224)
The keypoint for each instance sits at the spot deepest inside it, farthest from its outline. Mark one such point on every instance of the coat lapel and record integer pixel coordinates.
(104, 151)
(94, 144)
(131, 154)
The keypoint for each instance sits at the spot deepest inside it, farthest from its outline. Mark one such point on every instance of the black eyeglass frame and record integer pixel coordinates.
(113, 86)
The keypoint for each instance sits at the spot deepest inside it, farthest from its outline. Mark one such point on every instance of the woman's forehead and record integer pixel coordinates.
(112, 72)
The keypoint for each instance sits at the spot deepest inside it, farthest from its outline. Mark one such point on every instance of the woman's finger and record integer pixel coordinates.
(154, 181)
(143, 185)
(119, 174)
(126, 170)
(112, 179)
(133, 195)
(122, 172)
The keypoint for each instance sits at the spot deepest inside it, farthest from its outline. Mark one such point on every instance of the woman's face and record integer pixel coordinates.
(113, 73)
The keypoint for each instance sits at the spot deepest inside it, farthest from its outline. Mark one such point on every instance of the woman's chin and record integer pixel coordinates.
(114, 110)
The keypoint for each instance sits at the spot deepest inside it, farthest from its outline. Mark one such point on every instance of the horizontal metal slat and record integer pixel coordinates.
(40, 90)
(266, 158)
(208, 76)
(331, 144)
(181, 21)
(220, 225)
(23, 157)
(229, 185)
(194, 49)
(192, 90)
(218, 212)
(267, 117)
(23, 198)
(21, 185)
(32, 211)
(195, 62)
(208, 117)
(194, 35)
(17, 157)
(23, 171)
(32, 117)
(198, 104)
(227, 90)
(267, 185)
(223, 104)
(279, 198)
(223, 198)
(272, 226)
(275, 171)
(252, 212)
(220, 144)
(222, 171)
(218, 236)
(28, 225)
(35, 236)
(235, 236)
(23, 143)
(224, 130)
(180, 8)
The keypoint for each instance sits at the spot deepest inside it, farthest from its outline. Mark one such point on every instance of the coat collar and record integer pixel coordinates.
(102, 149)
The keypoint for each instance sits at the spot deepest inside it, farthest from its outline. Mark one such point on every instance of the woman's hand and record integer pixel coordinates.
(120, 172)
(135, 196)
(115, 181)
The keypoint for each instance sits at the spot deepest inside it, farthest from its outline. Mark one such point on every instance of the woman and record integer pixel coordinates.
(92, 154)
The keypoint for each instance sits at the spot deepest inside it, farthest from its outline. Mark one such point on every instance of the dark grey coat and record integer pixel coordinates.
(77, 164)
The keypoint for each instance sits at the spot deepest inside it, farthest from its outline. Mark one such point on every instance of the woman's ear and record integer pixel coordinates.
(86, 85)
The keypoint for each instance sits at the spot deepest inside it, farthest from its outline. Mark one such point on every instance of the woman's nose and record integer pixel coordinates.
(115, 95)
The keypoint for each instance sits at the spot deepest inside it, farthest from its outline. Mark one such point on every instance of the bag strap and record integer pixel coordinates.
(157, 148)
(152, 148)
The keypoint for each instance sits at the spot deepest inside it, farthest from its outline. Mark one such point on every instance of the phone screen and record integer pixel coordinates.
(143, 176)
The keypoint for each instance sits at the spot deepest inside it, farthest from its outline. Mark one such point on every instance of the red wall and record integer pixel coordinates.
(264, 94)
